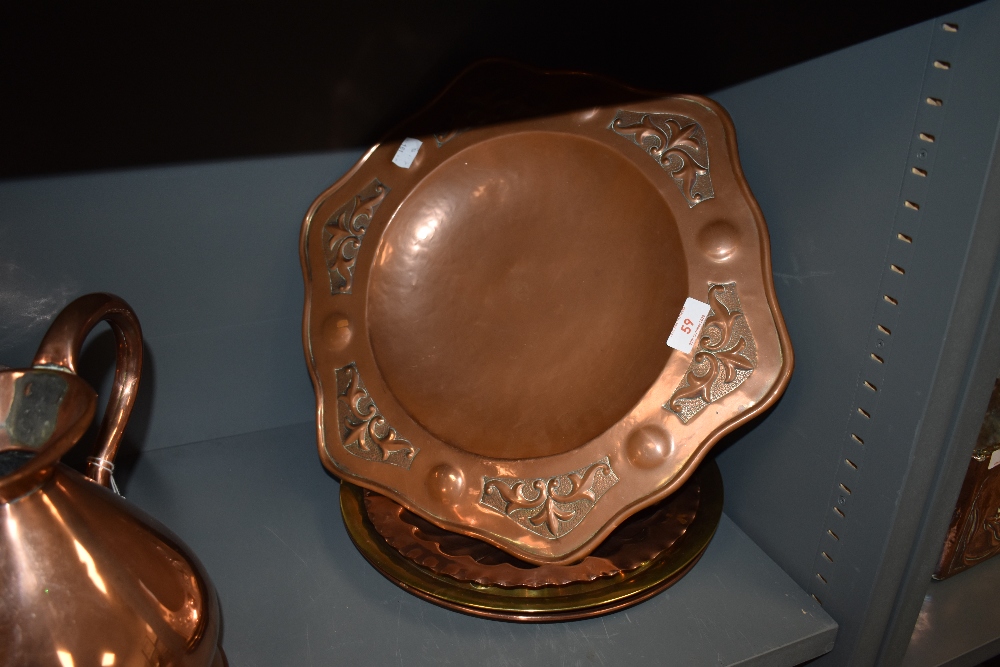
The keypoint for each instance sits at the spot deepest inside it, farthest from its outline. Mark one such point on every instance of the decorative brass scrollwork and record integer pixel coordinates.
(549, 507)
(677, 143)
(364, 432)
(344, 232)
(725, 357)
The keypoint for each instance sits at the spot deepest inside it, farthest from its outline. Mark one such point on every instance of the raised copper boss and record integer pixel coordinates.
(486, 328)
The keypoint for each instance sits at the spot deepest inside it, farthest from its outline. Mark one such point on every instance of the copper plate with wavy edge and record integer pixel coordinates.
(547, 603)
(640, 539)
(485, 328)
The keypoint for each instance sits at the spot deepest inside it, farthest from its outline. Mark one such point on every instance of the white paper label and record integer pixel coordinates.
(407, 152)
(994, 460)
(688, 326)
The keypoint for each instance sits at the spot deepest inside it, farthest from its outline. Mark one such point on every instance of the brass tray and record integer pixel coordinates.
(583, 599)
(486, 328)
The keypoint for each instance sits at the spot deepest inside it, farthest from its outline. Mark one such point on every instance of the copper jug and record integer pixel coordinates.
(85, 577)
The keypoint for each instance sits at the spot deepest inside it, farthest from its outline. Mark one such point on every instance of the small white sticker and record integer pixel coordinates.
(687, 328)
(994, 460)
(407, 152)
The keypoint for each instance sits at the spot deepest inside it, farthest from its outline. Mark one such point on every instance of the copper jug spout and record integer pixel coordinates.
(85, 577)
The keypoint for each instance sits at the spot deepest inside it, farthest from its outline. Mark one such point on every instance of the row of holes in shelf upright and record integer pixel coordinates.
(883, 330)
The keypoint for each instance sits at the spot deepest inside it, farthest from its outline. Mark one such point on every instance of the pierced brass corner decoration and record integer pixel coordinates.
(549, 507)
(364, 432)
(344, 232)
(678, 145)
(725, 357)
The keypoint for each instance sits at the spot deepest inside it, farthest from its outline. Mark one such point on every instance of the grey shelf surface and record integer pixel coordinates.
(263, 517)
(958, 624)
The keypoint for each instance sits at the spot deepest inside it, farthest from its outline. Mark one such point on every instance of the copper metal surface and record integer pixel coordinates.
(639, 540)
(547, 603)
(974, 533)
(61, 346)
(486, 328)
(85, 577)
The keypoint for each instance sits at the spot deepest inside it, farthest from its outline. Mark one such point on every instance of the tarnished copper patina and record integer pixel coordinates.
(486, 327)
(85, 577)
(579, 594)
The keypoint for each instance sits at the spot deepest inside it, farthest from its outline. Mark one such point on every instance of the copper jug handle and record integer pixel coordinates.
(61, 347)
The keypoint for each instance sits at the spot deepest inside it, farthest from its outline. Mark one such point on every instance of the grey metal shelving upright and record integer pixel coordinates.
(883, 210)
(876, 170)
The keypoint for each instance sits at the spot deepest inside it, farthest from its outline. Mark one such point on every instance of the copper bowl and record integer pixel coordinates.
(486, 326)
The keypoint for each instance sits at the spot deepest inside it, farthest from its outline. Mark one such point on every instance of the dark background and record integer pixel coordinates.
(100, 85)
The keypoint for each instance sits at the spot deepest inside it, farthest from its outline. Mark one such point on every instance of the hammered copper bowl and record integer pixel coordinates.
(486, 316)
